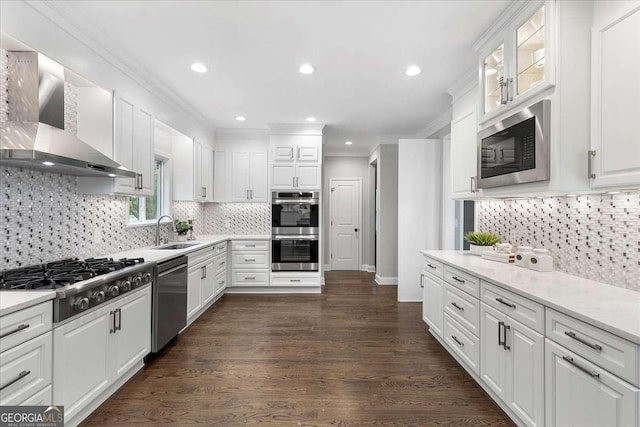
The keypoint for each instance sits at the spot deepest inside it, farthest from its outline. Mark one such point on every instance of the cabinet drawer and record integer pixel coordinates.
(463, 308)
(250, 245)
(519, 308)
(250, 259)
(463, 343)
(434, 267)
(221, 283)
(463, 281)
(220, 263)
(200, 255)
(295, 281)
(21, 326)
(250, 278)
(609, 351)
(42, 398)
(220, 248)
(25, 369)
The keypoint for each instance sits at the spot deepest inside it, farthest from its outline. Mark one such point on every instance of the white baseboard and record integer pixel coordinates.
(327, 267)
(368, 268)
(386, 280)
(262, 290)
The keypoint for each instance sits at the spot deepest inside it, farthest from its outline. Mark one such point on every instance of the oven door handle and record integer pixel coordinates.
(285, 237)
(296, 202)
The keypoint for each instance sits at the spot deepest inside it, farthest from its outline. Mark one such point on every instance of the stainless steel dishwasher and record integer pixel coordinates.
(169, 301)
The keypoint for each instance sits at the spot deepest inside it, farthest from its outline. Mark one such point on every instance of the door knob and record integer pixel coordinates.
(356, 230)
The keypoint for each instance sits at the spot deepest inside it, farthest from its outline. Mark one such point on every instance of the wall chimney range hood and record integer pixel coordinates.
(34, 135)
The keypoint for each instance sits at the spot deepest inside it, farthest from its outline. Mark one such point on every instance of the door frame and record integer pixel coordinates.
(331, 180)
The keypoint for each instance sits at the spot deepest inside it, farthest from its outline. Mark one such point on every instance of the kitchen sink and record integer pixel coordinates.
(177, 246)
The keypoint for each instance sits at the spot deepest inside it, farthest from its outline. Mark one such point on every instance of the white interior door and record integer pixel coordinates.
(346, 200)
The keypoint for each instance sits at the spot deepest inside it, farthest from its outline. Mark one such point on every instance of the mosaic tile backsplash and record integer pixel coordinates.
(238, 218)
(591, 236)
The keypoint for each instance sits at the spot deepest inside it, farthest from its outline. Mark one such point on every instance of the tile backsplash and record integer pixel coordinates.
(592, 236)
(43, 218)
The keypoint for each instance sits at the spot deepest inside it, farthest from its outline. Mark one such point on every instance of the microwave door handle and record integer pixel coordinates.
(285, 237)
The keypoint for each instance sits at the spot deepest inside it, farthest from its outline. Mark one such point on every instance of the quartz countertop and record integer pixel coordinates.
(160, 255)
(614, 309)
(12, 301)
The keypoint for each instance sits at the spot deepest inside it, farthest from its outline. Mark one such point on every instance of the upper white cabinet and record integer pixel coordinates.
(249, 176)
(464, 146)
(296, 148)
(296, 176)
(192, 169)
(133, 148)
(296, 158)
(517, 62)
(614, 158)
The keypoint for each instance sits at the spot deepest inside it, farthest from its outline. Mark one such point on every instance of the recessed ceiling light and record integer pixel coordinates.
(311, 119)
(198, 67)
(112, 175)
(412, 71)
(306, 69)
(613, 192)
(348, 143)
(47, 163)
(241, 118)
(572, 195)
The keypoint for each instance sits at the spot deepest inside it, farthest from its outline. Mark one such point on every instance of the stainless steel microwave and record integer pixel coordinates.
(517, 149)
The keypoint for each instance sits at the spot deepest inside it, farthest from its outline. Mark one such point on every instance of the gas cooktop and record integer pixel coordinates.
(57, 274)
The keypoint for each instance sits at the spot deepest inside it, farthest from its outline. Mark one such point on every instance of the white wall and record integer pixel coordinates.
(419, 202)
(348, 167)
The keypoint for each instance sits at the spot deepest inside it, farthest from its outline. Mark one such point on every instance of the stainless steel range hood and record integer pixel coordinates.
(34, 136)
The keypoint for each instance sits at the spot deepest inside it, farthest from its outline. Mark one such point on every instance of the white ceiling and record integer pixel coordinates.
(253, 50)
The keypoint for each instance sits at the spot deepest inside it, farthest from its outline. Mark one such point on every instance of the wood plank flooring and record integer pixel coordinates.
(352, 356)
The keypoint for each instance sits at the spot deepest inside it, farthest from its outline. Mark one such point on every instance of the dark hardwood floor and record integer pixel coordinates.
(352, 356)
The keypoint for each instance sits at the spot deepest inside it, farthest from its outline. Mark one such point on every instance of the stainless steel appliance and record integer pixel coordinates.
(295, 230)
(34, 137)
(169, 312)
(295, 213)
(81, 285)
(517, 149)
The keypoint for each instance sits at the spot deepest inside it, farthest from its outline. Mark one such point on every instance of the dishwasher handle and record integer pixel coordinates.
(170, 265)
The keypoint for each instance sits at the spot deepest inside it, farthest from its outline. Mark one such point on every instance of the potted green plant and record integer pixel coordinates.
(182, 228)
(480, 241)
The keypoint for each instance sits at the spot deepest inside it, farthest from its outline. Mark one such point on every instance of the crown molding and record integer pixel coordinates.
(463, 84)
(438, 123)
(241, 134)
(297, 128)
(500, 24)
(62, 14)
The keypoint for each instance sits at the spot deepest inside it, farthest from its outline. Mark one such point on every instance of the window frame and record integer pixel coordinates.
(163, 196)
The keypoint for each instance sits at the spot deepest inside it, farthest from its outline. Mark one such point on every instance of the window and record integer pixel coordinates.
(143, 209)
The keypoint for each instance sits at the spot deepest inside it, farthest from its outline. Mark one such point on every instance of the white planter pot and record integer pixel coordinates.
(478, 250)
(182, 237)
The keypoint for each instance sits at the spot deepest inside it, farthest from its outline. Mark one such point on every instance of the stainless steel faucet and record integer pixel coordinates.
(173, 226)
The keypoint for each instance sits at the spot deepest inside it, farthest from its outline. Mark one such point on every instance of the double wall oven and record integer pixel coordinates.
(295, 231)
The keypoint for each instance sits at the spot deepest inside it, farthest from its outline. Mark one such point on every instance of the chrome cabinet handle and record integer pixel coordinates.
(294, 280)
(298, 153)
(112, 330)
(592, 154)
(247, 194)
(205, 272)
(503, 88)
(293, 183)
(119, 313)
(17, 329)
(460, 343)
(20, 376)
(501, 301)
(573, 335)
(457, 279)
(422, 280)
(472, 178)
(249, 278)
(204, 191)
(250, 260)
(457, 306)
(504, 337)
(593, 374)
(510, 89)
(249, 246)
(431, 266)
(500, 325)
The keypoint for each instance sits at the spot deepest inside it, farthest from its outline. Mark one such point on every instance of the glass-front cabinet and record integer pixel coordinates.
(515, 64)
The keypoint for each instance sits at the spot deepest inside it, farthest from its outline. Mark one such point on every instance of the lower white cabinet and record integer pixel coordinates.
(250, 262)
(579, 393)
(512, 364)
(206, 278)
(95, 350)
(432, 302)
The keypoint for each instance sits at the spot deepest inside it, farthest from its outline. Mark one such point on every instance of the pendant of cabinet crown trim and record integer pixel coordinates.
(133, 148)
(615, 96)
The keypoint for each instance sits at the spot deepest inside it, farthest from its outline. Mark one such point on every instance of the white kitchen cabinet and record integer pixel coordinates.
(432, 302)
(206, 271)
(249, 176)
(579, 393)
(208, 281)
(464, 146)
(194, 290)
(296, 148)
(517, 62)
(615, 95)
(92, 352)
(512, 364)
(219, 175)
(296, 176)
(250, 263)
(133, 148)
(192, 169)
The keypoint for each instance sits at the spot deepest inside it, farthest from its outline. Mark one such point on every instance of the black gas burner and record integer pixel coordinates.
(61, 273)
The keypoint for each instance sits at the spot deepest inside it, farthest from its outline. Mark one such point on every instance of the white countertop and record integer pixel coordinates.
(611, 308)
(159, 255)
(12, 301)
